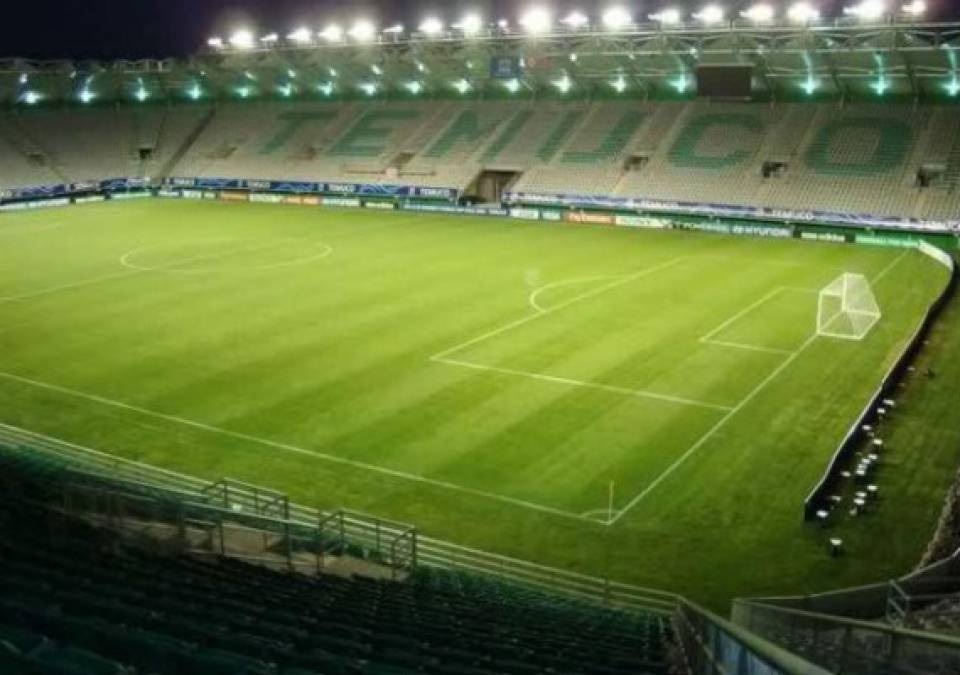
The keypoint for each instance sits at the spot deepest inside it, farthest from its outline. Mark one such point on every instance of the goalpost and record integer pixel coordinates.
(847, 308)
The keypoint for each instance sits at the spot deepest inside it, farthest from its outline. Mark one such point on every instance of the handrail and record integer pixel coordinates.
(922, 636)
(716, 646)
(361, 528)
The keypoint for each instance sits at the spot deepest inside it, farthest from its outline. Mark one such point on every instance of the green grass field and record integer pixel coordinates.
(484, 379)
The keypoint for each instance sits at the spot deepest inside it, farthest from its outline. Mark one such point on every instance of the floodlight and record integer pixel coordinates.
(302, 35)
(710, 14)
(536, 20)
(141, 94)
(242, 39)
(503, 24)
(616, 18)
(396, 29)
(462, 85)
(363, 31)
(376, 70)
(868, 10)
(667, 17)
(332, 33)
(915, 8)
(24, 78)
(620, 84)
(195, 92)
(803, 12)
(414, 87)
(369, 88)
(564, 84)
(270, 39)
(471, 24)
(759, 13)
(953, 86)
(575, 20)
(431, 26)
(31, 97)
(513, 86)
(215, 42)
(285, 90)
(326, 88)
(86, 96)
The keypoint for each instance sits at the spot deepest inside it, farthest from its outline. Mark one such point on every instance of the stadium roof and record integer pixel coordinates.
(842, 60)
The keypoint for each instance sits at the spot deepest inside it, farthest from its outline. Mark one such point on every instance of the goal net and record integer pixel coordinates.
(847, 308)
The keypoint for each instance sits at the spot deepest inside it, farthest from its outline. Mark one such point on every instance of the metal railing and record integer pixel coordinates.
(397, 545)
(715, 646)
(843, 645)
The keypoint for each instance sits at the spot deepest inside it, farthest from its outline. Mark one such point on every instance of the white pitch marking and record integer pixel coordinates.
(714, 429)
(703, 439)
(739, 315)
(639, 393)
(294, 449)
(583, 296)
(125, 259)
(744, 346)
(532, 300)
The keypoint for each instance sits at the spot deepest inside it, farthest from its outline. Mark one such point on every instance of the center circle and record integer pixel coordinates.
(209, 256)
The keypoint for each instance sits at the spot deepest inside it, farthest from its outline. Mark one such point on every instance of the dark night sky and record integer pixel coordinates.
(156, 28)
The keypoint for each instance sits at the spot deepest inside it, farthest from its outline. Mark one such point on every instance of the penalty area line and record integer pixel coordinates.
(626, 391)
(293, 449)
(713, 430)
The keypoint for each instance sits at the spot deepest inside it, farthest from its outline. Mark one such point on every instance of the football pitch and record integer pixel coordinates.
(493, 382)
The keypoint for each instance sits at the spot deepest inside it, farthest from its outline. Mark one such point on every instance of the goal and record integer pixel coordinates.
(847, 308)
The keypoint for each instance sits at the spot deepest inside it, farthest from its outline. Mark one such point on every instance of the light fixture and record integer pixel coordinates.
(86, 96)
(414, 87)
(536, 20)
(667, 17)
(462, 85)
(513, 86)
(759, 13)
(868, 10)
(376, 70)
(302, 36)
(564, 84)
(215, 43)
(575, 20)
(368, 88)
(395, 29)
(363, 31)
(195, 92)
(711, 14)
(616, 18)
(141, 94)
(469, 25)
(915, 8)
(242, 39)
(326, 88)
(270, 39)
(31, 97)
(431, 26)
(620, 84)
(803, 12)
(332, 33)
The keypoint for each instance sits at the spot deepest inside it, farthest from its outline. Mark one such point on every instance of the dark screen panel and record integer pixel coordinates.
(724, 81)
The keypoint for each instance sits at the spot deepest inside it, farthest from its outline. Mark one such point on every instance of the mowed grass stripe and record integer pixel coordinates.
(334, 358)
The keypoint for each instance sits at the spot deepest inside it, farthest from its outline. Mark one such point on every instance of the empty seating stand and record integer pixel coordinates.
(83, 602)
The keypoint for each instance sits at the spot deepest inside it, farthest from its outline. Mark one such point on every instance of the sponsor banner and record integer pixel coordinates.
(342, 188)
(174, 194)
(342, 202)
(85, 186)
(436, 193)
(587, 217)
(191, 194)
(310, 201)
(297, 201)
(296, 187)
(642, 221)
(733, 211)
(38, 204)
(123, 184)
(525, 214)
(761, 231)
(90, 200)
(229, 196)
(181, 182)
(887, 240)
(553, 216)
(383, 206)
(940, 256)
(833, 237)
(260, 198)
(126, 196)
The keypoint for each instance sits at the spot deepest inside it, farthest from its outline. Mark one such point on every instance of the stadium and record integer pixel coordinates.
(593, 343)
